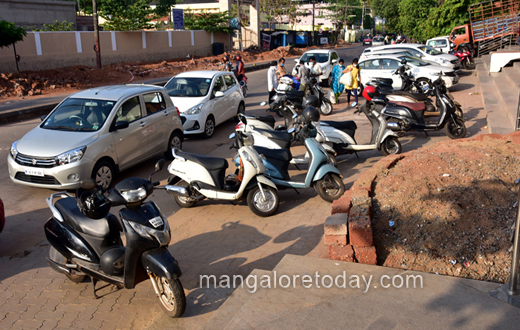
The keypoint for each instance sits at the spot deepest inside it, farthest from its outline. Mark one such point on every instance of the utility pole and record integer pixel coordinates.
(313, 10)
(96, 35)
(239, 35)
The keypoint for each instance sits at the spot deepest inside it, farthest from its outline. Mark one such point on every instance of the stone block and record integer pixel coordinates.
(360, 197)
(361, 211)
(360, 231)
(341, 252)
(335, 239)
(365, 255)
(365, 180)
(336, 224)
(341, 205)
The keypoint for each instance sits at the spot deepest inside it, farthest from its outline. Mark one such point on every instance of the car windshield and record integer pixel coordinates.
(414, 61)
(429, 50)
(76, 114)
(188, 87)
(320, 57)
(378, 39)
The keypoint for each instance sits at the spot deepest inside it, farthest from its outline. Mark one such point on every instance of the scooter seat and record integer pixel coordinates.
(80, 222)
(280, 154)
(268, 119)
(386, 81)
(295, 93)
(278, 135)
(341, 125)
(209, 163)
(421, 97)
(412, 106)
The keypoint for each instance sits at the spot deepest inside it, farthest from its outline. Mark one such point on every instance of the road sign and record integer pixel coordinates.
(178, 19)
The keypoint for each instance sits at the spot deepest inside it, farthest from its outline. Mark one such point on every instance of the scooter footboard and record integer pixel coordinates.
(161, 262)
(327, 168)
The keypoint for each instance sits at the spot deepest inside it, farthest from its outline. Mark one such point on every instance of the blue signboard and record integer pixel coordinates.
(178, 19)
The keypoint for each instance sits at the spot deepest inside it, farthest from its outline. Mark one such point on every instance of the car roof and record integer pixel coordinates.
(200, 74)
(319, 51)
(392, 57)
(115, 92)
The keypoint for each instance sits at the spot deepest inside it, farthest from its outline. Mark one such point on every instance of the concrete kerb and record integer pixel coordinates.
(355, 208)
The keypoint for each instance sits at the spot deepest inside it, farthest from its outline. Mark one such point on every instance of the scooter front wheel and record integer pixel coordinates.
(330, 188)
(391, 145)
(261, 206)
(455, 128)
(325, 107)
(171, 295)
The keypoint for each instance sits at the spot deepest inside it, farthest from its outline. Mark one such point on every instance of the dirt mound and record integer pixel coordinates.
(68, 80)
(448, 209)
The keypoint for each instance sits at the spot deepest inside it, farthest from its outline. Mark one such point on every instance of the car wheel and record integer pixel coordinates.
(103, 174)
(209, 127)
(175, 141)
(241, 110)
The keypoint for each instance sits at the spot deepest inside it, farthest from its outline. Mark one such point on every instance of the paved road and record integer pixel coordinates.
(211, 238)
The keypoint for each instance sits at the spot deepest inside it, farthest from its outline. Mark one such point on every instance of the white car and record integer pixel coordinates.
(423, 52)
(424, 72)
(205, 99)
(326, 58)
(442, 44)
(378, 41)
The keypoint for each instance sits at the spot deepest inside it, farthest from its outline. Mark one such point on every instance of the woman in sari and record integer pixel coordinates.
(337, 71)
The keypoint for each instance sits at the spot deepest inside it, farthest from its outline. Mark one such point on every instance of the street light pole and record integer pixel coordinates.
(96, 35)
(239, 34)
(313, 9)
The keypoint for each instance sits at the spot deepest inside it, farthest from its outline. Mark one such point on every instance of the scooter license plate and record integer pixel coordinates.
(156, 222)
(34, 171)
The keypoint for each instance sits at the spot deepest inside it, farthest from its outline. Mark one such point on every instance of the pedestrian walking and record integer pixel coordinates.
(356, 78)
(280, 69)
(305, 75)
(272, 81)
(337, 72)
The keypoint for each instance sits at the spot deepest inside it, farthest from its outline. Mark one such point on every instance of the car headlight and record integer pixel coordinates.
(71, 156)
(194, 110)
(14, 151)
(436, 74)
(132, 196)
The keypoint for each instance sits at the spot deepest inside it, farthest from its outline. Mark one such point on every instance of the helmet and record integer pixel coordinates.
(239, 58)
(225, 58)
(310, 114)
(369, 92)
(90, 204)
(311, 101)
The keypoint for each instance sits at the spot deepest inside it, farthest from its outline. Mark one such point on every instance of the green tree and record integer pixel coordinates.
(445, 17)
(388, 10)
(213, 22)
(412, 17)
(55, 26)
(9, 35)
(131, 15)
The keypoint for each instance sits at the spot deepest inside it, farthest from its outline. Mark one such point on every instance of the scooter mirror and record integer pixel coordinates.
(88, 184)
(291, 130)
(159, 165)
(263, 104)
(232, 136)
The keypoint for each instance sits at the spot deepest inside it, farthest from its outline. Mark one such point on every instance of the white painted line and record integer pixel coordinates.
(192, 39)
(78, 42)
(144, 39)
(114, 45)
(169, 38)
(39, 43)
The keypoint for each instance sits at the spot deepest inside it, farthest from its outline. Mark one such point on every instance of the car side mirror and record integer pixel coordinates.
(219, 94)
(42, 118)
(120, 125)
(297, 60)
(88, 184)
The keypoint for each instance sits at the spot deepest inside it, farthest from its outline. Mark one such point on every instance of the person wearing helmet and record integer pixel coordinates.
(272, 81)
(355, 71)
(228, 66)
(240, 70)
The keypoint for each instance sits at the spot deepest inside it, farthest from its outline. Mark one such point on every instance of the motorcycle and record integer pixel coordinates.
(466, 60)
(410, 116)
(340, 135)
(297, 97)
(203, 177)
(325, 178)
(85, 239)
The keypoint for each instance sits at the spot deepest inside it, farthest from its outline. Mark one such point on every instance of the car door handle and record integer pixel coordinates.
(166, 113)
(142, 124)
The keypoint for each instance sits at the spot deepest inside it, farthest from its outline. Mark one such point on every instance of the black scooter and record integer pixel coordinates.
(404, 117)
(297, 97)
(91, 245)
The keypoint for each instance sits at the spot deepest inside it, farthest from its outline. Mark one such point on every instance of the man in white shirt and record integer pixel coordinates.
(315, 70)
(272, 81)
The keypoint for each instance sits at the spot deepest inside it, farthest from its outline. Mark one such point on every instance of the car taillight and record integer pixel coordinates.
(178, 112)
(239, 126)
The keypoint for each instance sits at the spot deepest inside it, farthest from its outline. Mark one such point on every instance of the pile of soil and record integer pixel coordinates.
(449, 209)
(67, 80)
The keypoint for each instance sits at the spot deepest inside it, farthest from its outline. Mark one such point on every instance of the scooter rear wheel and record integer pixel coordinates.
(184, 202)
(260, 206)
(330, 187)
(391, 145)
(455, 130)
(171, 295)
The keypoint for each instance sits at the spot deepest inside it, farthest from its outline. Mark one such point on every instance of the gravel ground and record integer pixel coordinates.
(449, 209)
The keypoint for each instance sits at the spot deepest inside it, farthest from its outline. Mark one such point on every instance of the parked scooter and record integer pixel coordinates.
(406, 117)
(340, 135)
(85, 239)
(203, 177)
(297, 97)
(324, 177)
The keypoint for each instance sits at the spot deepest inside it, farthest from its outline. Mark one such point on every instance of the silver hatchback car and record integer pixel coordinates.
(95, 134)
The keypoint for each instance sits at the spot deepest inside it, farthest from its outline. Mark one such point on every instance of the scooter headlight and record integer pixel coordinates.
(162, 236)
(140, 229)
(132, 196)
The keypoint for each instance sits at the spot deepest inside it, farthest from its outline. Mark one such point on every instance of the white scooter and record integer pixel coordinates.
(204, 177)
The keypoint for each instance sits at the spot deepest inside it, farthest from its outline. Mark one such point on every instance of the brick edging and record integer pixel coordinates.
(348, 231)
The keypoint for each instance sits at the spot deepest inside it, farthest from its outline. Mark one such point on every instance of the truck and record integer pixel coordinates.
(492, 25)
